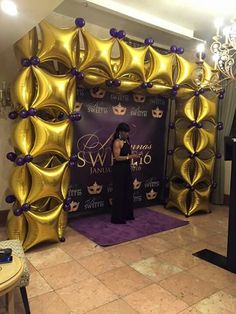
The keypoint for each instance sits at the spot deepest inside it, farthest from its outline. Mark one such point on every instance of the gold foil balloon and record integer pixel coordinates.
(185, 72)
(94, 77)
(52, 137)
(207, 109)
(16, 226)
(161, 67)
(178, 197)
(131, 61)
(158, 89)
(185, 108)
(182, 167)
(20, 183)
(97, 53)
(54, 91)
(27, 46)
(23, 136)
(42, 226)
(52, 182)
(62, 223)
(22, 89)
(205, 139)
(199, 200)
(59, 44)
(203, 170)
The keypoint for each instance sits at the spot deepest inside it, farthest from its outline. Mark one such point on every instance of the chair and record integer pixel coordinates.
(17, 250)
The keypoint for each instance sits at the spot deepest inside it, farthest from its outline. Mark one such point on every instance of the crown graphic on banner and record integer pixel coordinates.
(157, 113)
(78, 106)
(151, 195)
(139, 98)
(136, 184)
(119, 110)
(97, 93)
(95, 188)
(74, 206)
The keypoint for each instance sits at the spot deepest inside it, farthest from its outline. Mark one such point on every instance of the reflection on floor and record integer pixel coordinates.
(155, 274)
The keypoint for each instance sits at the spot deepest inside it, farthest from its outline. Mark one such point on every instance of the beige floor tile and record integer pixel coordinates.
(124, 280)
(65, 274)
(81, 249)
(155, 299)
(72, 236)
(177, 237)
(86, 295)
(156, 269)
(115, 307)
(180, 258)
(100, 263)
(48, 258)
(49, 303)
(218, 303)
(217, 240)
(130, 253)
(219, 277)
(155, 245)
(188, 288)
(37, 285)
(190, 310)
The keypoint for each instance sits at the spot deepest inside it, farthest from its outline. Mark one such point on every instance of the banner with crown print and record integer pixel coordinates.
(91, 180)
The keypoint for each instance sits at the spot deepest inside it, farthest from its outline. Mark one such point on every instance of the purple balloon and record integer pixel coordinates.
(218, 155)
(66, 207)
(34, 60)
(202, 90)
(109, 83)
(214, 185)
(25, 207)
(10, 199)
(79, 22)
(144, 85)
(72, 164)
(116, 83)
(199, 125)
(62, 239)
(68, 200)
(25, 62)
(194, 123)
(174, 93)
(17, 211)
(173, 48)
(28, 158)
(113, 32)
(180, 50)
(24, 114)
(196, 93)
(74, 158)
(80, 76)
(170, 151)
(20, 161)
(175, 87)
(148, 41)
(13, 115)
(221, 96)
(149, 84)
(121, 34)
(77, 116)
(166, 179)
(60, 116)
(187, 185)
(11, 156)
(74, 72)
(32, 112)
(222, 91)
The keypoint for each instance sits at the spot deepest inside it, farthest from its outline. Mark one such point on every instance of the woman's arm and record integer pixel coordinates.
(116, 152)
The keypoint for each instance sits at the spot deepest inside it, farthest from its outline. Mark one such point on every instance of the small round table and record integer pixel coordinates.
(10, 274)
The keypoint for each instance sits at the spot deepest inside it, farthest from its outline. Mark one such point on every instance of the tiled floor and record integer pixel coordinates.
(152, 275)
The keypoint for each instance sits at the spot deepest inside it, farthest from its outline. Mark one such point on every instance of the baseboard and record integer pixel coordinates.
(3, 217)
(226, 199)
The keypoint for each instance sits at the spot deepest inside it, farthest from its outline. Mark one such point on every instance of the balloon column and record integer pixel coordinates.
(43, 95)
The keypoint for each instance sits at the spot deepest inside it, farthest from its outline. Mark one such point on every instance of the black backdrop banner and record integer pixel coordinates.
(91, 180)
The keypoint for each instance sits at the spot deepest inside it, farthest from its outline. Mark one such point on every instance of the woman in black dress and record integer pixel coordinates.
(122, 205)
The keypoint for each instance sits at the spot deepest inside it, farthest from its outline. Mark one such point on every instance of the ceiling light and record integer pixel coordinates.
(9, 7)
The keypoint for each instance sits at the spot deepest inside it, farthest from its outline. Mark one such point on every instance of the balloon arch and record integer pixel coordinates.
(43, 95)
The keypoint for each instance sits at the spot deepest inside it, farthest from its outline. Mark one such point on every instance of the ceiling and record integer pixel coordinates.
(180, 22)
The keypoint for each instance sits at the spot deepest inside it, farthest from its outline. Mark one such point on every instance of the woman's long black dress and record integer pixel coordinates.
(122, 205)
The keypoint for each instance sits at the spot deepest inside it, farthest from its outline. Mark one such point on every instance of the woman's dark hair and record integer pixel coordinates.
(122, 127)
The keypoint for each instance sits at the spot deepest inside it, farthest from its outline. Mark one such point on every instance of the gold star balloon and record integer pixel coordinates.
(23, 136)
(186, 109)
(52, 137)
(199, 200)
(203, 170)
(27, 46)
(42, 226)
(207, 109)
(177, 198)
(51, 182)
(185, 72)
(23, 89)
(16, 226)
(20, 183)
(59, 44)
(54, 91)
(97, 53)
